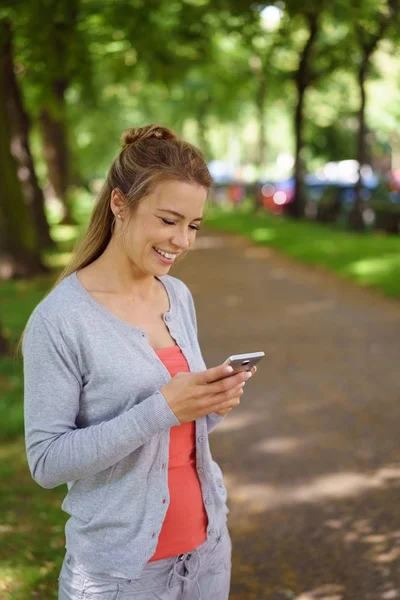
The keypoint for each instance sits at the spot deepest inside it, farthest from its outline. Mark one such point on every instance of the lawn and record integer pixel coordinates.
(32, 524)
(369, 259)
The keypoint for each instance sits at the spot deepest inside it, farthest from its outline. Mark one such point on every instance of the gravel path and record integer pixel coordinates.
(312, 456)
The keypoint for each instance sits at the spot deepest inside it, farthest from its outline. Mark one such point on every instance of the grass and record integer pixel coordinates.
(32, 530)
(31, 523)
(371, 259)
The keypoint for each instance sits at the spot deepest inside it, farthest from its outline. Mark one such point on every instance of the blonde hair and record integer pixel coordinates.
(149, 155)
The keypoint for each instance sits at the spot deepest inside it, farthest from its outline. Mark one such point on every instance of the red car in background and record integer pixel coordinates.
(274, 196)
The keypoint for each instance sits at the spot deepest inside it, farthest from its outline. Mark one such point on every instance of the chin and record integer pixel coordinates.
(156, 272)
(164, 271)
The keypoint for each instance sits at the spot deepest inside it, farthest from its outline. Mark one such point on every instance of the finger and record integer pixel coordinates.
(232, 403)
(223, 413)
(227, 384)
(210, 402)
(228, 398)
(214, 374)
(253, 370)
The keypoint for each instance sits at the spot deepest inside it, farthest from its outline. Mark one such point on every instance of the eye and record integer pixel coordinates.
(168, 222)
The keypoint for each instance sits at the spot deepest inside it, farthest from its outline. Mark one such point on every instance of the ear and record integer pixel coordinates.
(117, 202)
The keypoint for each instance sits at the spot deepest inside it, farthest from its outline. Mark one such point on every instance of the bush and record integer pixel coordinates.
(387, 211)
(329, 206)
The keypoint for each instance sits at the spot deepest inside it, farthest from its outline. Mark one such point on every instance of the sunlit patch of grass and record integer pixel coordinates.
(263, 234)
(32, 530)
(368, 268)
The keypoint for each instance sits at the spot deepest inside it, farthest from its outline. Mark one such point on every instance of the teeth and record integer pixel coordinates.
(166, 254)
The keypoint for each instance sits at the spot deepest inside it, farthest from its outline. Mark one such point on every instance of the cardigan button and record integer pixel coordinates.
(201, 439)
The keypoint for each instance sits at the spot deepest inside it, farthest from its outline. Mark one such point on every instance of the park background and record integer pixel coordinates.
(296, 108)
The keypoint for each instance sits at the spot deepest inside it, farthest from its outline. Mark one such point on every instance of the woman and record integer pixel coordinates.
(118, 401)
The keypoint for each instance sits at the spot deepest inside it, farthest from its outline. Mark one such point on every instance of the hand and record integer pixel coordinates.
(194, 395)
(225, 411)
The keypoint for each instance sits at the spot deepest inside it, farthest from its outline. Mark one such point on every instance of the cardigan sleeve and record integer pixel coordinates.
(58, 451)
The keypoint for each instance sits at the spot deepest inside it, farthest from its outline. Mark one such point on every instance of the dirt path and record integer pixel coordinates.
(312, 456)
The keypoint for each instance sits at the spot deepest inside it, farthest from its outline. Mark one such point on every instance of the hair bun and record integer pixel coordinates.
(131, 136)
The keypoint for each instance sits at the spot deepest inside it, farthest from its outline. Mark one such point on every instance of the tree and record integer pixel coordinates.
(371, 26)
(19, 256)
(20, 147)
(3, 343)
(299, 30)
(52, 55)
(303, 79)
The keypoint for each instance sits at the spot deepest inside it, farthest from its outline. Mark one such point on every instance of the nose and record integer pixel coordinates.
(181, 241)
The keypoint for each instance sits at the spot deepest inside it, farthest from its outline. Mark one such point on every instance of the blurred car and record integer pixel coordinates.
(275, 195)
(343, 175)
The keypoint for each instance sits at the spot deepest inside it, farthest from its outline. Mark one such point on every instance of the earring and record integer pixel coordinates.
(118, 216)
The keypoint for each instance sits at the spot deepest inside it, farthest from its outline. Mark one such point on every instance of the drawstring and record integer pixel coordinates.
(185, 578)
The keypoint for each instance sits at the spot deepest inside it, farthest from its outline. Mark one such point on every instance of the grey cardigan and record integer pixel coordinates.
(96, 420)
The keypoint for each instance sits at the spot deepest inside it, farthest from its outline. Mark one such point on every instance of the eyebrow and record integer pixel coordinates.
(173, 212)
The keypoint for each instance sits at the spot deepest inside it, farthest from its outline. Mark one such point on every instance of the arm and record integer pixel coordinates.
(57, 450)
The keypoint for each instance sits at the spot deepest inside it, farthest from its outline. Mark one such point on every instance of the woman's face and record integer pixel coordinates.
(163, 226)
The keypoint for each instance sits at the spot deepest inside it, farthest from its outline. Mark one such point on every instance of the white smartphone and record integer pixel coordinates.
(244, 362)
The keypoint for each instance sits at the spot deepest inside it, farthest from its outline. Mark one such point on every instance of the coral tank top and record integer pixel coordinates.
(185, 524)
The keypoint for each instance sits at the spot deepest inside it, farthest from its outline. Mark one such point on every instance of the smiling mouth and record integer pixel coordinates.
(167, 255)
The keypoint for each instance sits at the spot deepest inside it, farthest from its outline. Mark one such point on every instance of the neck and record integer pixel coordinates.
(116, 274)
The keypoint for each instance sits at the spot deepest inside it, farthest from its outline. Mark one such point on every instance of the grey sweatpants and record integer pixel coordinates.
(202, 574)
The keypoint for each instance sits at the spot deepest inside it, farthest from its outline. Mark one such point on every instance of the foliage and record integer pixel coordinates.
(130, 63)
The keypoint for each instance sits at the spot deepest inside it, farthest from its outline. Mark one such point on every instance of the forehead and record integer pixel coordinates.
(185, 198)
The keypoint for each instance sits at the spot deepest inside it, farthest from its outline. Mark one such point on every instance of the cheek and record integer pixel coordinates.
(132, 239)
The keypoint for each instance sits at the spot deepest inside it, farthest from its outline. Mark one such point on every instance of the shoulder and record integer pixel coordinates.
(179, 288)
(59, 307)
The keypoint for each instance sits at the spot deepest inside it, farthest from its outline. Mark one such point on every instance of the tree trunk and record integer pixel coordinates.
(3, 344)
(296, 208)
(262, 138)
(55, 148)
(20, 149)
(52, 115)
(19, 256)
(202, 114)
(355, 217)
(368, 47)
